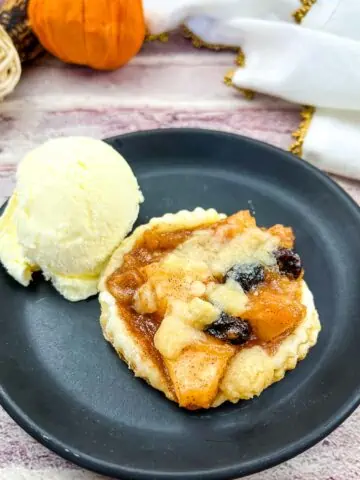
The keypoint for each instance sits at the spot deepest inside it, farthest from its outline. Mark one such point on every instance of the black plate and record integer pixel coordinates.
(65, 385)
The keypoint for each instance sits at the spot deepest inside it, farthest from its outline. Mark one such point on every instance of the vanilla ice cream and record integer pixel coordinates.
(75, 200)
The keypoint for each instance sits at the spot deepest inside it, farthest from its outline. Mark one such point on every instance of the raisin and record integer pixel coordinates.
(247, 275)
(231, 329)
(289, 262)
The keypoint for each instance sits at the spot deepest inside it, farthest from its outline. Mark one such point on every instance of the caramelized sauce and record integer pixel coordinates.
(125, 281)
(274, 308)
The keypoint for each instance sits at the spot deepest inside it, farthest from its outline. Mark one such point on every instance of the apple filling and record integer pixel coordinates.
(194, 296)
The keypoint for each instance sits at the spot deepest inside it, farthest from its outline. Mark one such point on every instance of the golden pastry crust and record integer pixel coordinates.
(253, 369)
(247, 373)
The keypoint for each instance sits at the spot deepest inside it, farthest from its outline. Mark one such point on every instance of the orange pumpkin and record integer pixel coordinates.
(103, 34)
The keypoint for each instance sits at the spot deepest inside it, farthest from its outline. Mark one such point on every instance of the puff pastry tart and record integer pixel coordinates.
(208, 308)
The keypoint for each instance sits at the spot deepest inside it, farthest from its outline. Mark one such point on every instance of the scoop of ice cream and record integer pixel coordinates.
(75, 200)
(11, 252)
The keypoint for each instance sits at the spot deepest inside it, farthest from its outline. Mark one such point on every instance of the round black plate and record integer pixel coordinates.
(65, 385)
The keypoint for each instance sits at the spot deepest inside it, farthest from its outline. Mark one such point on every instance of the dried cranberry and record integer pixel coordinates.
(289, 262)
(231, 329)
(247, 275)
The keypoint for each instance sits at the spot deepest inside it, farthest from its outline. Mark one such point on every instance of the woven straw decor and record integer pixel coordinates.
(10, 67)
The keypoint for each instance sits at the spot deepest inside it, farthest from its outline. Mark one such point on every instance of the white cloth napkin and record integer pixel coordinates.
(165, 15)
(316, 63)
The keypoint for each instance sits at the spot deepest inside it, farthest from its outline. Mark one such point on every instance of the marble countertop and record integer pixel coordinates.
(166, 85)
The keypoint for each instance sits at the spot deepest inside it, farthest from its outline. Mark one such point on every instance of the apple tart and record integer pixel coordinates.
(208, 308)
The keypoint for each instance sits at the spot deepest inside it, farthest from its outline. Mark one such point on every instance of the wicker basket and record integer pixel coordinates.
(10, 67)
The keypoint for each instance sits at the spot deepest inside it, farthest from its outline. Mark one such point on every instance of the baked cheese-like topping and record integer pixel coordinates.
(191, 273)
(229, 297)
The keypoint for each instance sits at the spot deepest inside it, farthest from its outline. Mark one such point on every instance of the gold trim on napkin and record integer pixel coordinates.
(240, 58)
(248, 94)
(306, 115)
(160, 37)
(303, 10)
(198, 43)
(307, 112)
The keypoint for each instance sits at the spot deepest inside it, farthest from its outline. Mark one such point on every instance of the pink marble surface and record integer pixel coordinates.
(169, 85)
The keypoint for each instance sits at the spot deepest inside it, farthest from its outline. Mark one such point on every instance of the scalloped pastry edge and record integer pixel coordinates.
(253, 369)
